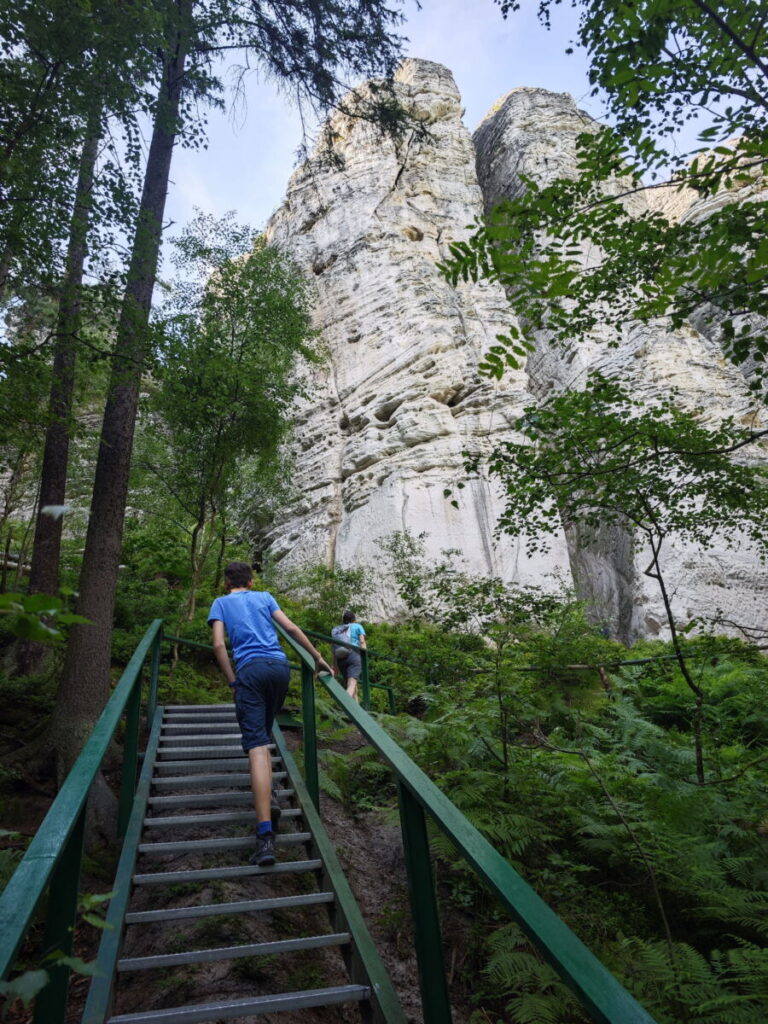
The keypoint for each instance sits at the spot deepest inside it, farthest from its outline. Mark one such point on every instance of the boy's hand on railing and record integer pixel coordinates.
(321, 665)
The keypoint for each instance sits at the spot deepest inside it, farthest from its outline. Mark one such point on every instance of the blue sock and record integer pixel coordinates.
(264, 827)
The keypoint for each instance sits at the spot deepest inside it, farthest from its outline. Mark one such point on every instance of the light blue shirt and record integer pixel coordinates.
(355, 632)
(247, 618)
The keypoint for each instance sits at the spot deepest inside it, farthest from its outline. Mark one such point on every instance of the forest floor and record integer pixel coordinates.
(370, 850)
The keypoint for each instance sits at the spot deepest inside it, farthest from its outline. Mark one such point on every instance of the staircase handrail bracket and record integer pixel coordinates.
(607, 1001)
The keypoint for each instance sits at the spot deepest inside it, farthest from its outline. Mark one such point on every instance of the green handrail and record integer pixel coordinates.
(53, 859)
(599, 992)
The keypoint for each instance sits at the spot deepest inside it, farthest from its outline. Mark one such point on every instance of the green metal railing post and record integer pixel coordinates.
(51, 1003)
(364, 681)
(310, 733)
(435, 1003)
(154, 676)
(130, 757)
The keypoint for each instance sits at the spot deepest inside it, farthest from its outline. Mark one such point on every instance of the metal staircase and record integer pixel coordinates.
(195, 780)
(185, 898)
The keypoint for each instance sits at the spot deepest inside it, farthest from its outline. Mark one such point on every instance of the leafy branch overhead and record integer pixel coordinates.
(599, 455)
(665, 69)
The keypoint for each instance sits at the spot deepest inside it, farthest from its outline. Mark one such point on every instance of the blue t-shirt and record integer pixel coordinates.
(247, 618)
(355, 632)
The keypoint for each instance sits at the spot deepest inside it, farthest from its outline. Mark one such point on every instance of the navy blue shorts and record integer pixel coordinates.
(260, 689)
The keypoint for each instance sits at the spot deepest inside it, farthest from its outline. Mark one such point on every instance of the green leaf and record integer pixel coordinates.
(87, 968)
(25, 987)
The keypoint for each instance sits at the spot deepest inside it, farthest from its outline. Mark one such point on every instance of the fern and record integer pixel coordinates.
(531, 991)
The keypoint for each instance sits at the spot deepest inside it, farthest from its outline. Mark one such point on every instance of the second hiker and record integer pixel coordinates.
(349, 662)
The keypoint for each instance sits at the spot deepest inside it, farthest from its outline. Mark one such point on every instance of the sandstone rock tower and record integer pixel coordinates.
(400, 398)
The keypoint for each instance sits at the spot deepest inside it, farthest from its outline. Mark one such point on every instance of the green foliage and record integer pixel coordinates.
(233, 332)
(358, 778)
(604, 806)
(664, 68)
(586, 782)
(323, 594)
(66, 70)
(194, 683)
(24, 987)
(37, 617)
(599, 455)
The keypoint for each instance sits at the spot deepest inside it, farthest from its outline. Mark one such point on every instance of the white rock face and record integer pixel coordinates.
(532, 132)
(400, 398)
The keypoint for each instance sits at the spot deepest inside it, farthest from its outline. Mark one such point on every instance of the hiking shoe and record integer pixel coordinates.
(275, 810)
(264, 854)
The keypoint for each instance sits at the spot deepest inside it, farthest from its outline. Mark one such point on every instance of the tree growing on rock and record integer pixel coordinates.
(599, 456)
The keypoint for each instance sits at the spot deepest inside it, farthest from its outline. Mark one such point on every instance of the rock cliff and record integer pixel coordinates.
(399, 397)
(532, 133)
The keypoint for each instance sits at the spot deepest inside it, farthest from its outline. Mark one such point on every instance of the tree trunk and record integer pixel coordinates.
(219, 572)
(6, 261)
(46, 550)
(84, 685)
(6, 559)
(20, 564)
(697, 720)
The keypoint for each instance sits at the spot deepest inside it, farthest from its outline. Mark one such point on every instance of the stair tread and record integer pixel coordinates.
(199, 956)
(224, 779)
(201, 708)
(238, 843)
(237, 871)
(228, 818)
(191, 719)
(238, 907)
(208, 799)
(232, 764)
(178, 731)
(234, 750)
(200, 1013)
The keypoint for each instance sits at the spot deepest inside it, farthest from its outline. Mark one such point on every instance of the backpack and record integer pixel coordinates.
(340, 633)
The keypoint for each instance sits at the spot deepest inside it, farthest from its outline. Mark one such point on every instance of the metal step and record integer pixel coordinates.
(201, 738)
(238, 871)
(240, 907)
(200, 709)
(230, 818)
(194, 723)
(231, 764)
(202, 956)
(191, 730)
(209, 799)
(191, 721)
(254, 1006)
(186, 752)
(202, 845)
(225, 779)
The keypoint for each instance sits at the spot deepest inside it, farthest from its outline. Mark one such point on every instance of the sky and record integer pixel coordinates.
(252, 152)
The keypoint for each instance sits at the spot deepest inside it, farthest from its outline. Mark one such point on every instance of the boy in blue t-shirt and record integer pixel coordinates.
(260, 681)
